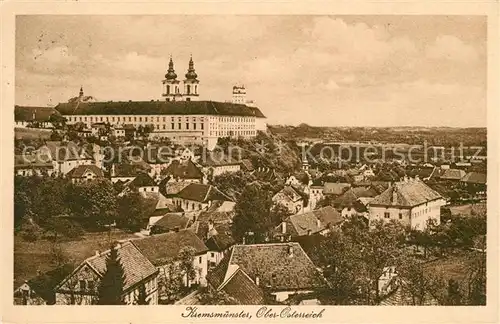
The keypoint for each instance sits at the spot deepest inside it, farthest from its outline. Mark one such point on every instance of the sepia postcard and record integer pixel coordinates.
(253, 162)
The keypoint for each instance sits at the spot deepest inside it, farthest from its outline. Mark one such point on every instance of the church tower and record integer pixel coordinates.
(171, 86)
(191, 83)
(239, 95)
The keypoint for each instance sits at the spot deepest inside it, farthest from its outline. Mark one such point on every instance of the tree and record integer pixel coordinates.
(21, 206)
(63, 226)
(133, 210)
(185, 260)
(58, 121)
(476, 280)
(454, 296)
(252, 212)
(94, 202)
(170, 282)
(142, 297)
(111, 286)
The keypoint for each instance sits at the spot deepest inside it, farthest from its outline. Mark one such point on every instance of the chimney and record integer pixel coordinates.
(283, 227)
(97, 253)
(394, 195)
(318, 223)
(257, 280)
(290, 250)
(244, 240)
(113, 171)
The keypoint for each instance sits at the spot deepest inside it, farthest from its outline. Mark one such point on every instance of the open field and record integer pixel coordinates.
(31, 133)
(31, 257)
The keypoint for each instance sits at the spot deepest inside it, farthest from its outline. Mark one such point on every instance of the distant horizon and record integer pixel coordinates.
(322, 70)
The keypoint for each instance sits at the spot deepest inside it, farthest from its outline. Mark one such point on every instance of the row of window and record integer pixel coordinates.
(128, 118)
(388, 215)
(236, 119)
(232, 133)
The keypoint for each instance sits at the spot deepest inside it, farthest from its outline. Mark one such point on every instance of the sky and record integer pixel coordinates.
(319, 70)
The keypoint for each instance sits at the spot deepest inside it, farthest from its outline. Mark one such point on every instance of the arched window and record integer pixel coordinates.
(168, 89)
(188, 89)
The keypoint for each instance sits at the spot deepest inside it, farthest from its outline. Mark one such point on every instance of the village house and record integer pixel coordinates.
(66, 155)
(475, 183)
(125, 172)
(214, 228)
(27, 165)
(164, 248)
(168, 222)
(283, 269)
(289, 198)
(142, 183)
(40, 289)
(85, 173)
(80, 287)
(216, 163)
(197, 197)
(334, 188)
(454, 175)
(37, 117)
(411, 202)
(185, 171)
(319, 221)
(350, 204)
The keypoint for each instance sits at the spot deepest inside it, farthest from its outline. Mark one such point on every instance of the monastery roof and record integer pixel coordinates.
(158, 108)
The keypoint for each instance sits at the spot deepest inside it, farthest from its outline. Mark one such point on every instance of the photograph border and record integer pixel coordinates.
(174, 314)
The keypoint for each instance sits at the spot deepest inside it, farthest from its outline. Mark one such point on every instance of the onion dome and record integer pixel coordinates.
(191, 74)
(171, 72)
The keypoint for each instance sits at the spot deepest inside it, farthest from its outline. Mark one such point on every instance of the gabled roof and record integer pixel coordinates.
(349, 198)
(163, 247)
(136, 266)
(243, 289)
(183, 170)
(64, 151)
(279, 266)
(289, 193)
(312, 222)
(408, 193)
(474, 178)
(169, 189)
(332, 188)
(142, 180)
(27, 113)
(158, 108)
(172, 221)
(32, 161)
(202, 193)
(247, 165)
(79, 171)
(452, 174)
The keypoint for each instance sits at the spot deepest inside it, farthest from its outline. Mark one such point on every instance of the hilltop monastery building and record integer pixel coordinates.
(179, 115)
